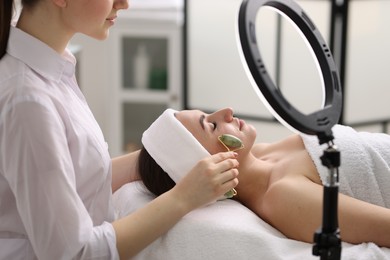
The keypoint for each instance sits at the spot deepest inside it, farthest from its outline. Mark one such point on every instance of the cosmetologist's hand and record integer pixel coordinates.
(210, 179)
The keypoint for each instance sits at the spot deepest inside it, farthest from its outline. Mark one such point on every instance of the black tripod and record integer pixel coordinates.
(327, 242)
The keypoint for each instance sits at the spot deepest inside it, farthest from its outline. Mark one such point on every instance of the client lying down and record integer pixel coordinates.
(281, 182)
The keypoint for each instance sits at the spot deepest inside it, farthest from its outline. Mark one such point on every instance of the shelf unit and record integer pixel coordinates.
(132, 109)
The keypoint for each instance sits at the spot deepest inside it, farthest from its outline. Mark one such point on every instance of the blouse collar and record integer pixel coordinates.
(39, 56)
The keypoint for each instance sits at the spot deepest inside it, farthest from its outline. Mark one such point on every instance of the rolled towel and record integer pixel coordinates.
(172, 146)
(364, 172)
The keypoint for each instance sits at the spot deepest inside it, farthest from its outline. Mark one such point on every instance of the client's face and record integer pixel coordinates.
(207, 127)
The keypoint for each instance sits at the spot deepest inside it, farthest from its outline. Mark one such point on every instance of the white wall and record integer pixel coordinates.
(367, 75)
(217, 78)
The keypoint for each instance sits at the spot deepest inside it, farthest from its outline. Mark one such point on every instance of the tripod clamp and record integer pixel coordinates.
(327, 242)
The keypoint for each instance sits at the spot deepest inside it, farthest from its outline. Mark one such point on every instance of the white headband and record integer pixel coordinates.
(172, 146)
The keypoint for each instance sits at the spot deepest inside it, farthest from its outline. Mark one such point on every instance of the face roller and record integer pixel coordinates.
(231, 143)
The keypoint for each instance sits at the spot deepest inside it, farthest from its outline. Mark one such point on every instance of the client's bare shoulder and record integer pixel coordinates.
(289, 157)
(297, 160)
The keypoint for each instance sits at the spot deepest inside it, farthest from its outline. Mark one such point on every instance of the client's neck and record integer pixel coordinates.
(253, 179)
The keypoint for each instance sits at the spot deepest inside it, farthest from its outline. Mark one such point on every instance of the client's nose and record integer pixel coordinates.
(228, 113)
(225, 114)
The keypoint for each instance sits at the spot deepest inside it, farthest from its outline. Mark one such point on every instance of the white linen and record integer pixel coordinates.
(55, 170)
(365, 163)
(227, 230)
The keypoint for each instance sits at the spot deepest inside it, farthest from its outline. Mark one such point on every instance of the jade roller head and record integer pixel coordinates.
(231, 193)
(231, 142)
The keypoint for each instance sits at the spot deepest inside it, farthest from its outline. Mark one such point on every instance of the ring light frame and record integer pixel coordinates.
(319, 122)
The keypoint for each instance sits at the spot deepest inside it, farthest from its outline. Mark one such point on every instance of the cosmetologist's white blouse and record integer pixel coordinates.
(55, 170)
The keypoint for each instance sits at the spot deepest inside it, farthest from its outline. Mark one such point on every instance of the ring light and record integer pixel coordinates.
(327, 242)
(317, 123)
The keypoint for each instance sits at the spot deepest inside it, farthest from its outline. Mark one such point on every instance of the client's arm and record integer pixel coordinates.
(124, 170)
(294, 206)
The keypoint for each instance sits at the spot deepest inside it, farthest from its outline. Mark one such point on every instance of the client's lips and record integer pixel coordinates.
(111, 18)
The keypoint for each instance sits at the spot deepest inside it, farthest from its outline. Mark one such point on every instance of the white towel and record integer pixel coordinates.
(226, 230)
(365, 157)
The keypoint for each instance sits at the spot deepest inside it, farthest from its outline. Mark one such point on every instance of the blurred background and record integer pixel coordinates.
(185, 54)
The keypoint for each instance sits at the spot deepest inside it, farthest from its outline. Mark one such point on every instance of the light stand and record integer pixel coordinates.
(327, 242)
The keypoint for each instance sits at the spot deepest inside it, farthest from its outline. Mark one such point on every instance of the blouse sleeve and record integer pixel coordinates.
(37, 165)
